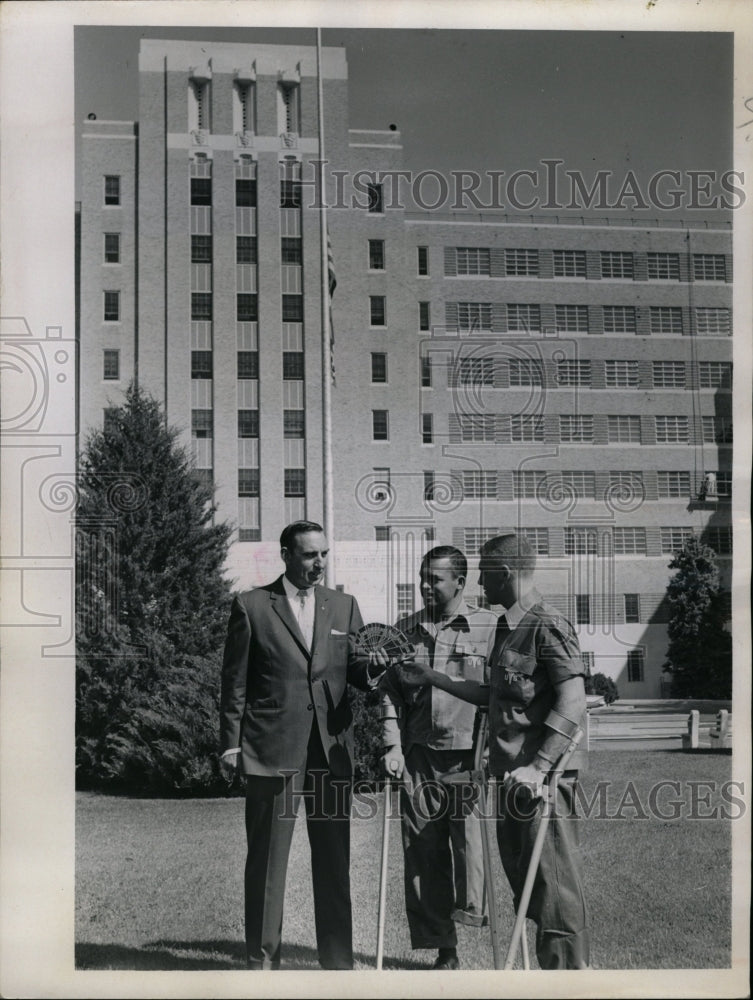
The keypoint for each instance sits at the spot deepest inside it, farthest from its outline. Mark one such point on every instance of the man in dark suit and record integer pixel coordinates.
(286, 723)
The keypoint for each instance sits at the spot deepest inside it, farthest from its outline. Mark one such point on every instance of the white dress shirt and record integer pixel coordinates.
(303, 604)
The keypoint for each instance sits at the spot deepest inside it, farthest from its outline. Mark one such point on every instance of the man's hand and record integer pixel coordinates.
(393, 762)
(416, 671)
(229, 766)
(529, 777)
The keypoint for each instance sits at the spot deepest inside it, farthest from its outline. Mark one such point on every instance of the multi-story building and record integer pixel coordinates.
(567, 378)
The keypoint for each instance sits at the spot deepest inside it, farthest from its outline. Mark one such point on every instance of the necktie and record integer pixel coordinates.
(304, 624)
(503, 630)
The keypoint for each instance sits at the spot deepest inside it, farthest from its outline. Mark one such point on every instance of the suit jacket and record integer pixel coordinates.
(271, 683)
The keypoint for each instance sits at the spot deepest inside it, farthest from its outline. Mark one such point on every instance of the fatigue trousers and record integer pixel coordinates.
(442, 846)
(271, 805)
(557, 903)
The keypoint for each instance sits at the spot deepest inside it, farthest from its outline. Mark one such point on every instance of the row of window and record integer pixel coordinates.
(593, 541)
(243, 105)
(294, 423)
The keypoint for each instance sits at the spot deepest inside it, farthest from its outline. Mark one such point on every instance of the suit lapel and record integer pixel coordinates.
(281, 606)
(322, 618)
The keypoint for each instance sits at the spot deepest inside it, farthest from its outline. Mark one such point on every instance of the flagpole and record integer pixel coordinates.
(327, 485)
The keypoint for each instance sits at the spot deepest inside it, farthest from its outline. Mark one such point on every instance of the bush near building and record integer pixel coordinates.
(602, 685)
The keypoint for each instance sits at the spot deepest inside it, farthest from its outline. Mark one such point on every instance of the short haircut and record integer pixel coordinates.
(457, 560)
(515, 550)
(289, 534)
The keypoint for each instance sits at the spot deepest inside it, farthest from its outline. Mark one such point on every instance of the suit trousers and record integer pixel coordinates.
(442, 846)
(557, 903)
(271, 805)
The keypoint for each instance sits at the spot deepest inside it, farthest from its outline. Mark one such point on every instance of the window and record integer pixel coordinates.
(294, 423)
(715, 374)
(429, 484)
(477, 427)
(539, 539)
(663, 266)
(248, 423)
(201, 190)
(474, 371)
(569, 263)
(292, 365)
(619, 319)
(290, 194)
(427, 428)
(423, 261)
(709, 267)
(669, 374)
(577, 428)
(635, 666)
(378, 367)
(249, 534)
(523, 317)
(722, 482)
(632, 608)
(712, 322)
(673, 485)
(110, 421)
(295, 482)
(665, 319)
(201, 423)
(292, 308)
(522, 262)
(291, 250)
(426, 372)
(474, 316)
(526, 428)
(621, 374)
(376, 255)
(571, 319)
(473, 260)
(671, 430)
(375, 199)
(573, 373)
(719, 539)
(526, 484)
(582, 609)
(111, 368)
(201, 364)
(204, 477)
(405, 599)
(201, 305)
(717, 430)
(245, 249)
(112, 189)
(248, 364)
(380, 425)
(377, 310)
(288, 107)
(480, 485)
(587, 659)
(424, 316)
(201, 249)
(112, 248)
(524, 371)
(248, 482)
(247, 305)
(581, 484)
(630, 483)
(430, 534)
(474, 538)
(623, 429)
(580, 541)
(673, 539)
(381, 534)
(112, 307)
(616, 264)
(629, 541)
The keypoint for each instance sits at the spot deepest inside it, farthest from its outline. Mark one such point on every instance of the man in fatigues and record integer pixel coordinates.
(536, 700)
(428, 735)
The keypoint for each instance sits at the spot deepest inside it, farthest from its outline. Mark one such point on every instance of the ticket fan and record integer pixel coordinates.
(374, 637)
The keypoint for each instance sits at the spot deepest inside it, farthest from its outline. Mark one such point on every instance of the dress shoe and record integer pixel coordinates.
(471, 917)
(449, 962)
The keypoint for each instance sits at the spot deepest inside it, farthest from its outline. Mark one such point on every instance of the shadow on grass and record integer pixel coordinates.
(208, 956)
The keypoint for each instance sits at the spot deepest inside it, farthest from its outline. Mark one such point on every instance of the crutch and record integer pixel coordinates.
(383, 870)
(517, 932)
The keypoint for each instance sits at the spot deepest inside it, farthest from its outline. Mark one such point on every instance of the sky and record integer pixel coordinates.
(492, 100)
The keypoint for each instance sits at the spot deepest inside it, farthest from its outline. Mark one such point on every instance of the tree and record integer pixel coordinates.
(602, 685)
(151, 609)
(699, 656)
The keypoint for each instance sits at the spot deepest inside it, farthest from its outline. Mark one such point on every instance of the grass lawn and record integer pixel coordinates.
(159, 882)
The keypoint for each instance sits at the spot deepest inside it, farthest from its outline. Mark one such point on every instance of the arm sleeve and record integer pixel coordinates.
(234, 677)
(559, 652)
(391, 706)
(358, 663)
